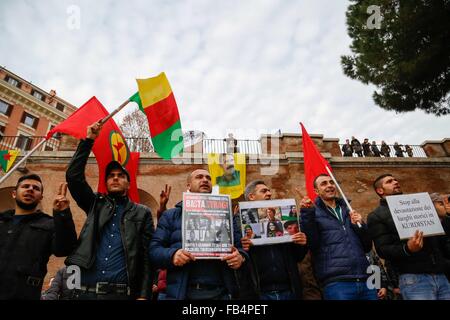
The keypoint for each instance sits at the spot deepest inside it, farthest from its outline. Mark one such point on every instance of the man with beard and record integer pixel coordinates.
(231, 176)
(112, 250)
(28, 237)
(422, 263)
(337, 243)
(189, 278)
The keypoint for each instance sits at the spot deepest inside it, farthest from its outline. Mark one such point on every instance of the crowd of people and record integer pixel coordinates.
(121, 255)
(368, 149)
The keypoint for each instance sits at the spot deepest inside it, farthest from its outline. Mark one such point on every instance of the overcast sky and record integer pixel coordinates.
(245, 66)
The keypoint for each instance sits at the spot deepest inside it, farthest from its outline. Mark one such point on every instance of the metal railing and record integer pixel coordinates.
(416, 151)
(139, 144)
(220, 146)
(24, 143)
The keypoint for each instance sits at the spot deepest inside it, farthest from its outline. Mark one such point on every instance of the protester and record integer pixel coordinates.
(28, 237)
(422, 263)
(337, 243)
(112, 250)
(274, 266)
(187, 277)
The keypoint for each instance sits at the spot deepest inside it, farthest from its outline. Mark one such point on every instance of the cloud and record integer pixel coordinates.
(242, 66)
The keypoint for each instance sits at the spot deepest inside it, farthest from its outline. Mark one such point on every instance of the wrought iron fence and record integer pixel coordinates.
(25, 143)
(220, 146)
(414, 151)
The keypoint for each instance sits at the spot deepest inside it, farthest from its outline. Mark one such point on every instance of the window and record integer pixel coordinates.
(23, 142)
(13, 82)
(38, 95)
(57, 135)
(60, 107)
(48, 148)
(29, 120)
(5, 108)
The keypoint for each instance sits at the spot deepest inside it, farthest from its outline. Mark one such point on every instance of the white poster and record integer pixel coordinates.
(207, 225)
(413, 212)
(270, 221)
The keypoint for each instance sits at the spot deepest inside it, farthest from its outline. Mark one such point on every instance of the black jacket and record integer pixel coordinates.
(433, 258)
(261, 258)
(168, 240)
(136, 227)
(26, 247)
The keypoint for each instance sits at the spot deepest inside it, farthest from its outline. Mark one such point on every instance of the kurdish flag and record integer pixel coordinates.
(7, 158)
(155, 98)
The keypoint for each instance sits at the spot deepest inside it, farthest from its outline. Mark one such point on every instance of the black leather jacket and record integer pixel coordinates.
(136, 227)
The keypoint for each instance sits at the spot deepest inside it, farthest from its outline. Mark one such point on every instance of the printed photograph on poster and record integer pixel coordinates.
(269, 222)
(207, 226)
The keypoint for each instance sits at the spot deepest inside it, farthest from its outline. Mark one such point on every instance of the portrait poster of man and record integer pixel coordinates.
(207, 226)
(268, 222)
(228, 173)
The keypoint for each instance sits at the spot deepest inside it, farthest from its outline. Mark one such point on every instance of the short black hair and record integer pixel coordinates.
(377, 182)
(289, 222)
(31, 176)
(320, 175)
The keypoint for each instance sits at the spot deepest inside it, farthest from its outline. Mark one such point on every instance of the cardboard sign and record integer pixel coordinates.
(412, 212)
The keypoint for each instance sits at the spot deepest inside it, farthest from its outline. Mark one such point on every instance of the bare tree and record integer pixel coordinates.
(135, 129)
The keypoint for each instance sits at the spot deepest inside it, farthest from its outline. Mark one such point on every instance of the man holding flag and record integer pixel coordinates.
(337, 236)
(112, 250)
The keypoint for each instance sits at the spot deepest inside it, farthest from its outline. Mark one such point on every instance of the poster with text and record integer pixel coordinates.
(207, 228)
(270, 221)
(412, 212)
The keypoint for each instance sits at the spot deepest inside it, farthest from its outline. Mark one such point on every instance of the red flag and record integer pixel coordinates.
(314, 163)
(109, 145)
(76, 125)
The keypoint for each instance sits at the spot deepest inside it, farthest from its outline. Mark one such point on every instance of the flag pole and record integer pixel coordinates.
(340, 191)
(22, 161)
(109, 116)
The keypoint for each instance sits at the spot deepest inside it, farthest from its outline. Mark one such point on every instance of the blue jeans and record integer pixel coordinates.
(424, 286)
(351, 290)
(277, 295)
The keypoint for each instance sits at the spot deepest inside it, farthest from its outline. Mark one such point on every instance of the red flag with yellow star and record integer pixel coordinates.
(7, 158)
(110, 144)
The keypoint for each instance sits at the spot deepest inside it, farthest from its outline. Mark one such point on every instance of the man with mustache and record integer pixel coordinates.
(337, 243)
(231, 176)
(422, 263)
(187, 277)
(112, 250)
(28, 237)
